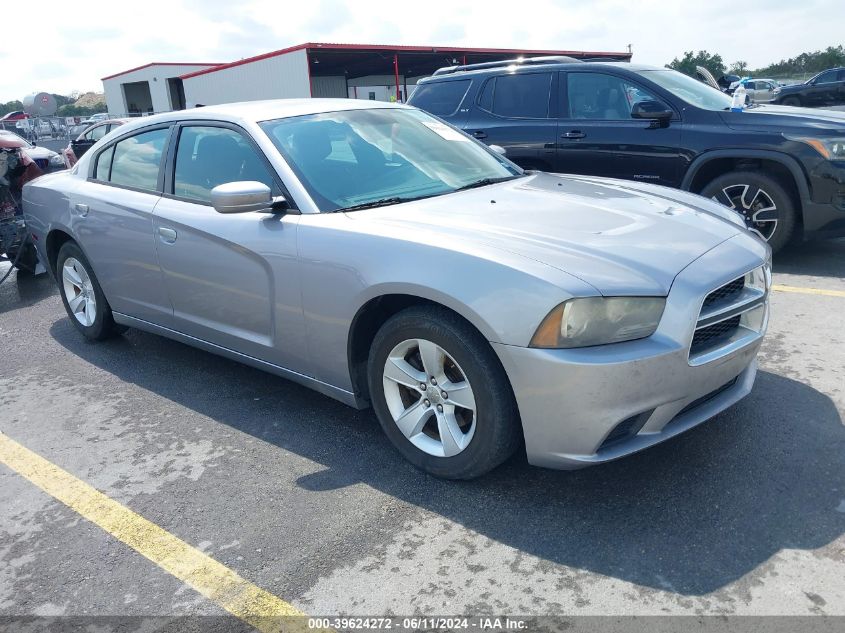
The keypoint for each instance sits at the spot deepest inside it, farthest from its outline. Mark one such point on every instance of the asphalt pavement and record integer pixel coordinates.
(306, 499)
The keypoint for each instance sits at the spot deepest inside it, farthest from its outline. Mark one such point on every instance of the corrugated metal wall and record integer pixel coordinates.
(280, 77)
(328, 87)
(157, 77)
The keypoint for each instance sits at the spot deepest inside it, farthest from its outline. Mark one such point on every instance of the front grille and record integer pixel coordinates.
(42, 163)
(713, 335)
(731, 315)
(726, 294)
(706, 398)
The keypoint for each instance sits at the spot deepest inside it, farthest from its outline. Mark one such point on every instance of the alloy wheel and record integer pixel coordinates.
(79, 291)
(429, 397)
(754, 204)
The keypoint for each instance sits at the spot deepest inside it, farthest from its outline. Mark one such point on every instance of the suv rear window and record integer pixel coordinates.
(522, 96)
(441, 99)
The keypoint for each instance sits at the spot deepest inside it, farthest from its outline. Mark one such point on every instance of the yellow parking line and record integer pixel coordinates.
(809, 291)
(212, 579)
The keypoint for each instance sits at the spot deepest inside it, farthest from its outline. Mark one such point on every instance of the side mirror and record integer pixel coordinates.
(242, 197)
(498, 149)
(652, 111)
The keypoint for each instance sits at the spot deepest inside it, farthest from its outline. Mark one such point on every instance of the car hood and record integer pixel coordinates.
(38, 152)
(774, 118)
(621, 238)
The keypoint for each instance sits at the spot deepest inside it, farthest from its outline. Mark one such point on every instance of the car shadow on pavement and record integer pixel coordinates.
(688, 516)
(817, 258)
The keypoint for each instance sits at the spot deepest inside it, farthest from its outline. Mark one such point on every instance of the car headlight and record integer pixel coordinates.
(56, 160)
(830, 148)
(776, 91)
(598, 321)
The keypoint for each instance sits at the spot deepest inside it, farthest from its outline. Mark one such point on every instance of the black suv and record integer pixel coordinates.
(825, 89)
(782, 168)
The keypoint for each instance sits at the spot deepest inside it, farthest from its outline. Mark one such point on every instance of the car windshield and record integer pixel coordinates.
(359, 158)
(690, 90)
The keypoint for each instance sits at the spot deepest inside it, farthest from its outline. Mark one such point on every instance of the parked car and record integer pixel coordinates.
(86, 139)
(825, 89)
(757, 90)
(47, 160)
(16, 169)
(782, 169)
(77, 129)
(726, 81)
(377, 255)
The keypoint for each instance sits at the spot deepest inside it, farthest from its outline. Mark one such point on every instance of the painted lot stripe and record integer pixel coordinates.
(212, 579)
(808, 291)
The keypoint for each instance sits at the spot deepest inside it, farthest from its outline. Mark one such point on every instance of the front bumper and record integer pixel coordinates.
(824, 213)
(573, 401)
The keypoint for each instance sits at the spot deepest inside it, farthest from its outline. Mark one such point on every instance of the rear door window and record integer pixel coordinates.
(137, 160)
(519, 96)
(441, 99)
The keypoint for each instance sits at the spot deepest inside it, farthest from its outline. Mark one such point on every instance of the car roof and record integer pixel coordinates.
(10, 140)
(257, 111)
(516, 67)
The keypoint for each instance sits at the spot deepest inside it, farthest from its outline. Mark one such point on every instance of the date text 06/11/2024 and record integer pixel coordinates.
(419, 622)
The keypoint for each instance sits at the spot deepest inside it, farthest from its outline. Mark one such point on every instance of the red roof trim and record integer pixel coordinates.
(132, 70)
(314, 46)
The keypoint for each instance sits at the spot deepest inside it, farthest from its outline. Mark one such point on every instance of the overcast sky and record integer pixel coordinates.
(64, 48)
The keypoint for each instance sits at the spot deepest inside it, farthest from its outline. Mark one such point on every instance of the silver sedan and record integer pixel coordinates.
(383, 258)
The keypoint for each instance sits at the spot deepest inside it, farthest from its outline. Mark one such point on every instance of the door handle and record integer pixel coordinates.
(573, 134)
(81, 209)
(168, 236)
(480, 134)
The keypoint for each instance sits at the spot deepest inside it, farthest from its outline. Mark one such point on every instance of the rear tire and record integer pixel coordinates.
(82, 296)
(457, 435)
(766, 207)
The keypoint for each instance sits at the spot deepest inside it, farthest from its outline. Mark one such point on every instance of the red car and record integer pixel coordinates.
(82, 143)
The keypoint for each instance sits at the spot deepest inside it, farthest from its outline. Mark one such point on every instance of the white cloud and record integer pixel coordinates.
(107, 38)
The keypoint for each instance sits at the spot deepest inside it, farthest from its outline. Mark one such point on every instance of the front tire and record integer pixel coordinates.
(761, 201)
(441, 394)
(792, 101)
(82, 295)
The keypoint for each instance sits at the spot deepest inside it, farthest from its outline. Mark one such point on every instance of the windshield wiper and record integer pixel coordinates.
(484, 182)
(382, 202)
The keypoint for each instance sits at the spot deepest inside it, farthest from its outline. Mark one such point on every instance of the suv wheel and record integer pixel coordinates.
(441, 395)
(762, 202)
(791, 101)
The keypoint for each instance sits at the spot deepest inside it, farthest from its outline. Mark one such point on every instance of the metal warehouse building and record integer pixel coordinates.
(362, 71)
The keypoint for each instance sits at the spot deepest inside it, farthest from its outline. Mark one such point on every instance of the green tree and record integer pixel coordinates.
(806, 63)
(10, 106)
(714, 63)
(739, 68)
(75, 110)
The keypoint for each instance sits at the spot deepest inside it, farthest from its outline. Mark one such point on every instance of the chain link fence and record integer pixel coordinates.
(40, 128)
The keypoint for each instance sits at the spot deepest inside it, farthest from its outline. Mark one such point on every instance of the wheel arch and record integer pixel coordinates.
(784, 168)
(375, 311)
(56, 238)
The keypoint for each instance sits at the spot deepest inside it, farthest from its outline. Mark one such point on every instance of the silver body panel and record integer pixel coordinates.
(280, 292)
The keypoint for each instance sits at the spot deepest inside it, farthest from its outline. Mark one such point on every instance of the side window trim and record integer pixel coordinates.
(169, 170)
(92, 166)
